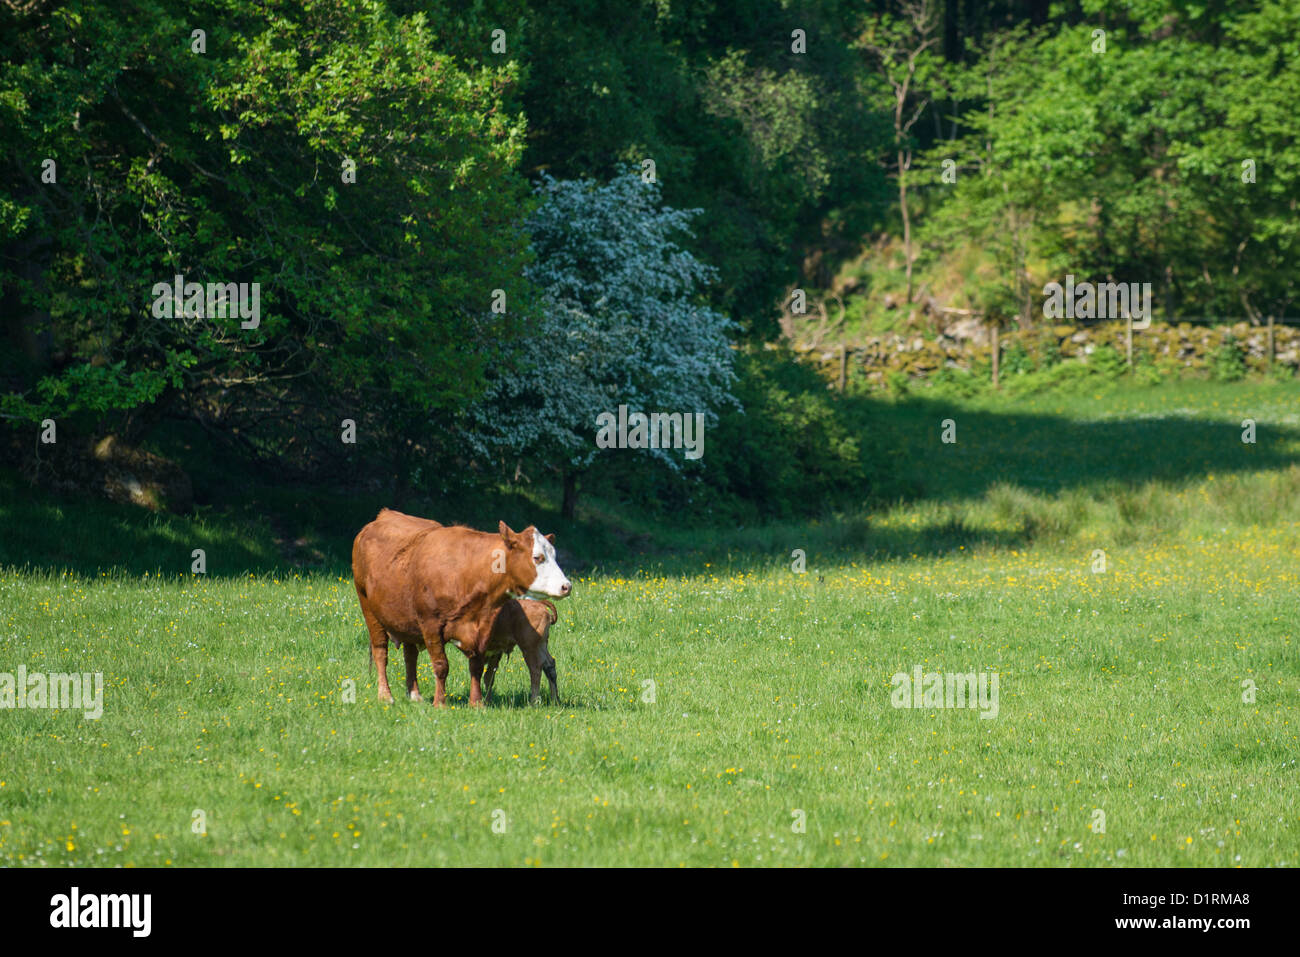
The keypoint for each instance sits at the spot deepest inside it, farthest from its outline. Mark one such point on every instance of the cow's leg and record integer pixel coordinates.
(412, 652)
(475, 680)
(378, 648)
(433, 641)
(490, 675)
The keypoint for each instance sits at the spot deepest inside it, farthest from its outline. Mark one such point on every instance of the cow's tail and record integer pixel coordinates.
(555, 616)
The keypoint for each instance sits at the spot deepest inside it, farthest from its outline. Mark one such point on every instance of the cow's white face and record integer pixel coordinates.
(550, 579)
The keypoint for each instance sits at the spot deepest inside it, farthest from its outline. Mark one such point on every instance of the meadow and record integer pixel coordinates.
(1120, 558)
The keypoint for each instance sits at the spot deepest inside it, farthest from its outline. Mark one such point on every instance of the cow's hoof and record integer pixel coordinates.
(416, 696)
(385, 698)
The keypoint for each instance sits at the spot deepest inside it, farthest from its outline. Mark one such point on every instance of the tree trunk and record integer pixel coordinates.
(907, 224)
(569, 504)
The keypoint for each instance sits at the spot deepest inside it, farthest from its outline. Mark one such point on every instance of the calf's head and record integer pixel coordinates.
(530, 562)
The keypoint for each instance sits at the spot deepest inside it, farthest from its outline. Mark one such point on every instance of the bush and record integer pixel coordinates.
(1145, 371)
(1063, 376)
(1147, 374)
(1050, 352)
(1282, 372)
(1170, 367)
(951, 382)
(791, 450)
(1107, 361)
(897, 382)
(1228, 362)
(1016, 360)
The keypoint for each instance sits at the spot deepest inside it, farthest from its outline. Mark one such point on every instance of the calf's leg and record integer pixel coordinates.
(548, 667)
(412, 652)
(479, 637)
(490, 675)
(475, 680)
(534, 662)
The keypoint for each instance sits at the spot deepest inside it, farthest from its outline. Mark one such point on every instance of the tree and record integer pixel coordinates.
(767, 135)
(1248, 163)
(1119, 156)
(226, 158)
(898, 47)
(620, 323)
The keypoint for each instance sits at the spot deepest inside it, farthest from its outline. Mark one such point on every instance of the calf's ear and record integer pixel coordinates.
(551, 538)
(504, 529)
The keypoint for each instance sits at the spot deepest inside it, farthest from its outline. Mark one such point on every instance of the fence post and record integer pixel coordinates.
(844, 366)
(1270, 342)
(1128, 341)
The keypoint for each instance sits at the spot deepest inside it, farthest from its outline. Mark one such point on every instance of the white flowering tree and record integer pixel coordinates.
(621, 323)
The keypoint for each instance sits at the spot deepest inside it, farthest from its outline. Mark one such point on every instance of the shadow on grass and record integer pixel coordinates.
(265, 531)
(246, 528)
(1016, 455)
(1050, 453)
(519, 699)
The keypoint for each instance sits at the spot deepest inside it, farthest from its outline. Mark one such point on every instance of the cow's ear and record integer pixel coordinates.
(551, 538)
(504, 529)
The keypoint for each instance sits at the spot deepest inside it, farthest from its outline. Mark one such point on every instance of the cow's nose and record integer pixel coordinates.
(565, 589)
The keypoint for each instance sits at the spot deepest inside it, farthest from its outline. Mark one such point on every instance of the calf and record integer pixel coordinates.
(421, 583)
(525, 624)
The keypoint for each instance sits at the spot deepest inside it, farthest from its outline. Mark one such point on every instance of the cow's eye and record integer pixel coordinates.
(539, 559)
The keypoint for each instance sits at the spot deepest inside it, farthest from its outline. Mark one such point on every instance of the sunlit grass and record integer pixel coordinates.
(711, 694)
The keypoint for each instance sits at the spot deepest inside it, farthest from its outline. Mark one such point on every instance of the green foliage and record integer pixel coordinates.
(1129, 163)
(791, 447)
(375, 295)
(94, 389)
(1145, 370)
(1107, 361)
(1065, 377)
(1281, 373)
(950, 382)
(1016, 360)
(1050, 352)
(1169, 157)
(1228, 362)
(772, 145)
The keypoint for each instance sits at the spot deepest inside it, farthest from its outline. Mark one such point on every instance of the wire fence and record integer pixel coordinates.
(1262, 340)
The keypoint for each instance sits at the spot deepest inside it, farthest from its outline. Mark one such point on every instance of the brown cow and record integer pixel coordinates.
(525, 624)
(421, 583)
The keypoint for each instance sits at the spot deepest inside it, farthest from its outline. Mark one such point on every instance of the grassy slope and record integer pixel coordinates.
(1120, 691)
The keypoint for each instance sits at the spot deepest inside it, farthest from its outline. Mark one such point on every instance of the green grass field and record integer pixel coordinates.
(1163, 691)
